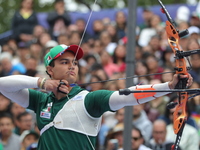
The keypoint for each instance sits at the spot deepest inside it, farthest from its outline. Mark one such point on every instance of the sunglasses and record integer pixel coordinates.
(136, 138)
(179, 113)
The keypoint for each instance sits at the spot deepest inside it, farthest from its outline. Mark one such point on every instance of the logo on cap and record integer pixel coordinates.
(49, 58)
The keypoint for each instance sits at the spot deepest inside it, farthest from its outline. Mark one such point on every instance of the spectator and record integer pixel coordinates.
(36, 51)
(138, 142)
(37, 32)
(168, 75)
(23, 53)
(159, 103)
(167, 117)
(31, 67)
(146, 15)
(8, 68)
(194, 32)
(24, 122)
(140, 70)
(159, 141)
(12, 44)
(97, 46)
(153, 66)
(74, 38)
(190, 136)
(114, 139)
(141, 121)
(24, 21)
(107, 63)
(168, 58)
(102, 135)
(5, 104)
(97, 86)
(184, 40)
(97, 69)
(154, 43)
(88, 50)
(27, 138)
(119, 56)
(194, 19)
(193, 44)
(106, 41)
(194, 103)
(7, 48)
(182, 14)
(44, 38)
(195, 72)
(98, 27)
(81, 26)
(15, 110)
(58, 19)
(121, 22)
(63, 39)
(155, 28)
(111, 29)
(49, 44)
(9, 139)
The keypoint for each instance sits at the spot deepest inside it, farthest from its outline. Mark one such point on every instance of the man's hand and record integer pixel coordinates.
(175, 80)
(54, 85)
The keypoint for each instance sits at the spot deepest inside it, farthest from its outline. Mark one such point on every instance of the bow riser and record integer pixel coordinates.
(180, 115)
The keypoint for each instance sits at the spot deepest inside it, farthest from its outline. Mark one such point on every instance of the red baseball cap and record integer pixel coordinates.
(58, 50)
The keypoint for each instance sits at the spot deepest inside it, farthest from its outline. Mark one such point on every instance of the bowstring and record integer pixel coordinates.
(90, 15)
(74, 63)
(80, 123)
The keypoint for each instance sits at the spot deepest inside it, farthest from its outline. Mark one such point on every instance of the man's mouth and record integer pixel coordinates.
(71, 73)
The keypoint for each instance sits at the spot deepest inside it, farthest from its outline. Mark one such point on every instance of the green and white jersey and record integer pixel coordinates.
(46, 107)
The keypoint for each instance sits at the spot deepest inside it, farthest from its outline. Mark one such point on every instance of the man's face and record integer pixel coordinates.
(6, 126)
(159, 133)
(65, 68)
(29, 139)
(25, 123)
(137, 140)
(6, 65)
(4, 102)
(16, 109)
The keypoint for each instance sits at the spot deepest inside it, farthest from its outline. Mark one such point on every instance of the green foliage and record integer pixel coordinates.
(155, 2)
(113, 3)
(8, 7)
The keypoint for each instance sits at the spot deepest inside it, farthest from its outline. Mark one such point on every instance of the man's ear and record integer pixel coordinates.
(49, 70)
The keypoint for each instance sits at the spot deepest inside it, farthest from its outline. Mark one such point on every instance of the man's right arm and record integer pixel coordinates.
(15, 87)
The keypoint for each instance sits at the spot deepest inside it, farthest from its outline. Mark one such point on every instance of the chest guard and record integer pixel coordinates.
(73, 116)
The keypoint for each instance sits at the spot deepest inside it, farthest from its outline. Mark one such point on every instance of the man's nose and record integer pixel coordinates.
(72, 65)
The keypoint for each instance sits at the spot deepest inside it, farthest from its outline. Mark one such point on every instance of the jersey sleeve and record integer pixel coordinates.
(35, 98)
(97, 102)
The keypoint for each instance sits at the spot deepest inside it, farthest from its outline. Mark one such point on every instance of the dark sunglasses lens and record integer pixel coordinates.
(135, 138)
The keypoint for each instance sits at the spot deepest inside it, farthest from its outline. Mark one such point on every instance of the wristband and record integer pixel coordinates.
(42, 83)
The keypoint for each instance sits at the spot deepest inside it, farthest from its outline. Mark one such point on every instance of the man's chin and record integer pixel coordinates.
(70, 80)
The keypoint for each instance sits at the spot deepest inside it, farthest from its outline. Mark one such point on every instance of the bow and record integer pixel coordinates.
(180, 114)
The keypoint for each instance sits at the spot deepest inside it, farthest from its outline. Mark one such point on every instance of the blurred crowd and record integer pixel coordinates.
(104, 58)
